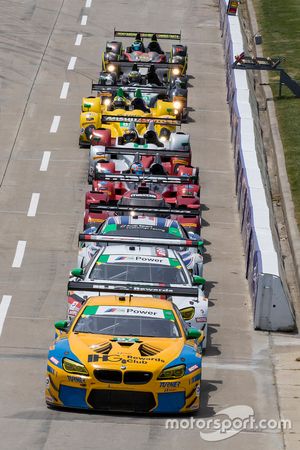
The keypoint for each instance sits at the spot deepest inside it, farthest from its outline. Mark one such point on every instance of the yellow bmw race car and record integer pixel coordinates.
(125, 353)
(117, 114)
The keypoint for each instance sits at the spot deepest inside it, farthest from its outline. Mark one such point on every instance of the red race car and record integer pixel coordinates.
(175, 197)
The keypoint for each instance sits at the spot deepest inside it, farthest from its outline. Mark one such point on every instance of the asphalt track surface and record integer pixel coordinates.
(44, 45)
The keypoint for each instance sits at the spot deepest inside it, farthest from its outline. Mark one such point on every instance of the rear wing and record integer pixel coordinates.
(148, 35)
(144, 209)
(142, 87)
(141, 150)
(98, 288)
(158, 65)
(158, 179)
(107, 118)
(139, 241)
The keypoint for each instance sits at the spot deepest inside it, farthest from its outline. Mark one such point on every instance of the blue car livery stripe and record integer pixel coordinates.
(187, 357)
(170, 402)
(61, 350)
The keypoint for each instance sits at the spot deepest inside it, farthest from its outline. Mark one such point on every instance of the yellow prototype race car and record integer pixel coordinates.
(116, 114)
(125, 353)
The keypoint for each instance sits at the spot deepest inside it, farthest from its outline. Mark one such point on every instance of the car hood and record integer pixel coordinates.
(136, 353)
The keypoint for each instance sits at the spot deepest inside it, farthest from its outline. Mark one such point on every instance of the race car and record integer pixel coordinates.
(137, 52)
(174, 91)
(125, 353)
(141, 230)
(158, 156)
(143, 266)
(118, 121)
(168, 198)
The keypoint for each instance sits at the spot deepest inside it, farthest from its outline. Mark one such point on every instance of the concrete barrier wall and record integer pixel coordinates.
(272, 309)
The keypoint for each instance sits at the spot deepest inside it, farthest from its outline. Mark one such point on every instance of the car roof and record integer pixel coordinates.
(155, 252)
(158, 222)
(129, 300)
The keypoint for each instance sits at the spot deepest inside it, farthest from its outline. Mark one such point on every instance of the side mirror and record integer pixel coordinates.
(199, 280)
(200, 244)
(61, 325)
(78, 272)
(193, 333)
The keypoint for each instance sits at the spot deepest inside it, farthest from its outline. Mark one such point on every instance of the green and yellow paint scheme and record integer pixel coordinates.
(95, 114)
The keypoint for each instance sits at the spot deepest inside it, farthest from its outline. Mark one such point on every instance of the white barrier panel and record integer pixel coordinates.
(272, 308)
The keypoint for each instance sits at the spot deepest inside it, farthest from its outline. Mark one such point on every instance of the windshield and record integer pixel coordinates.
(134, 268)
(128, 321)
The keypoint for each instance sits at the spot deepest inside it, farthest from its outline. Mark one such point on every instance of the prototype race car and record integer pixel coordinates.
(137, 52)
(158, 156)
(119, 120)
(125, 353)
(175, 92)
(178, 200)
(146, 231)
(143, 266)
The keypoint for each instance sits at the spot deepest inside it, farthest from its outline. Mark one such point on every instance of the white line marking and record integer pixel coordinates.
(33, 205)
(45, 161)
(88, 3)
(231, 366)
(20, 250)
(78, 39)
(64, 90)
(84, 20)
(4, 305)
(55, 124)
(72, 62)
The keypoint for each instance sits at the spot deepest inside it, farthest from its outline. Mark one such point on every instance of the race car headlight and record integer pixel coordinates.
(107, 101)
(188, 313)
(111, 68)
(74, 367)
(177, 104)
(172, 373)
(176, 71)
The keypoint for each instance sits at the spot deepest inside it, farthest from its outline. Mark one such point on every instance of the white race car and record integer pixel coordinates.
(143, 230)
(140, 266)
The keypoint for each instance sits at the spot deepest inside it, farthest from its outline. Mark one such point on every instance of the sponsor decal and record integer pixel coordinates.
(143, 196)
(47, 381)
(125, 339)
(169, 384)
(74, 379)
(198, 390)
(193, 368)
(160, 251)
(127, 311)
(138, 119)
(135, 259)
(54, 360)
(201, 319)
(124, 359)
